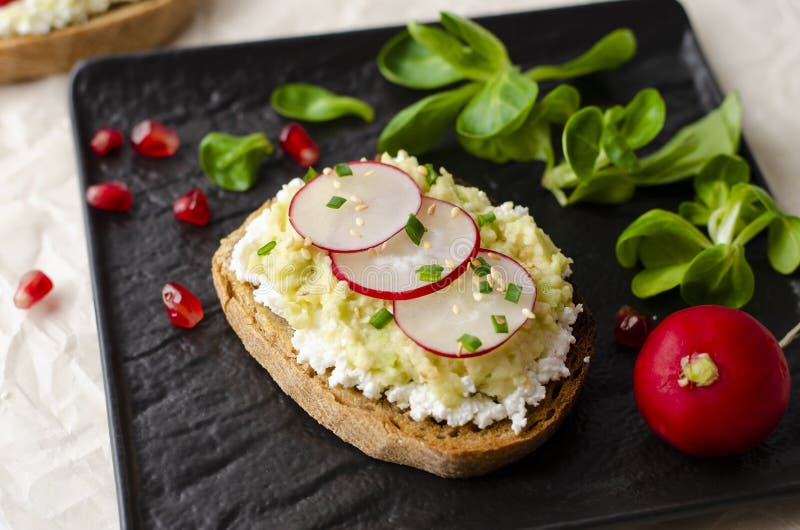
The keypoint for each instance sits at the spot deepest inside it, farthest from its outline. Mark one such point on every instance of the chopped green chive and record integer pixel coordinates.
(266, 249)
(513, 292)
(500, 323)
(343, 170)
(480, 266)
(432, 176)
(484, 287)
(415, 229)
(430, 273)
(469, 342)
(336, 202)
(381, 318)
(310, 174)
(486, 218)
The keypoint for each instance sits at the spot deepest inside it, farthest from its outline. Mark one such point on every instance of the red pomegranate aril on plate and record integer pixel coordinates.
(113, 196)
(192, 207)
(155, 140)
(183, 307)
(106, 140)
(6, 2)
(33, 286)
(632, 327)
(299, 145)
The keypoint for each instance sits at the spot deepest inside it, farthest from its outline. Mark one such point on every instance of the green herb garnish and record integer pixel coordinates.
(485, 219)
(500, 323)
(266, 249)
(600, 161)
(311, 174)
(343, 170)
(430, 273)
(469, 342)
(712, 268)
(484, 287)
(513, 292)
(415, 229)
(381, 318)
(480, 266)
(488, 111)
(301, 101)
(432, 175)
(231, 162)
(336, 202)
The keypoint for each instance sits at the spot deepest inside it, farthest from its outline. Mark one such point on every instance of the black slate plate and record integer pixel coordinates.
(204, 439)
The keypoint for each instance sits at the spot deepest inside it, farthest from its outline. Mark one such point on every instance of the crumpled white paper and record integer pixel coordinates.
(55, 462)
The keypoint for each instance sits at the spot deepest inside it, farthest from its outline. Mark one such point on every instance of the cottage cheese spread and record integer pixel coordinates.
(37, 17)
(332, 334)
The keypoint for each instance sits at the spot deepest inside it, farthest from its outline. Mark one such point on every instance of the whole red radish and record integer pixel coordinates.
(712, 381)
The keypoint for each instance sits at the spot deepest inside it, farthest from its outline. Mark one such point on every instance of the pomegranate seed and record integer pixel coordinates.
(153, 139)
(183, 308)
(113, 196)
(299, 145)
(6, 2)
(632, 327)
(106, 140)
(192, 207)
(33, 286)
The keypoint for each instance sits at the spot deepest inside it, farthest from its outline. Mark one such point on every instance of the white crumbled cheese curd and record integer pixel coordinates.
(333, 335)
(38, 17)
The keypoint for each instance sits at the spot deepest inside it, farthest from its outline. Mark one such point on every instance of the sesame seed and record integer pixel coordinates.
(363, 159)
(422, 171)
(477, 297)
(305, 253)
(494, 256)
(456, 309)
(454, 212)
(530, 265)
(527, 313)
(337, 184)
(369, 173)
(402, 154)
(355, 199)
(460, 349)
(432, 209)
(383, 246)
(355, 233)
(327, 171)
(450, 265)
(373, 252)
(359, 221)
(361, 207)
(307, 241)
(357, 312)
(427, 244)
(475, 262)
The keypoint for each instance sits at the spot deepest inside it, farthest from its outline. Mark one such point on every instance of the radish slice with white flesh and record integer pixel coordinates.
(390, 271)
(460, 321)
(351, 213)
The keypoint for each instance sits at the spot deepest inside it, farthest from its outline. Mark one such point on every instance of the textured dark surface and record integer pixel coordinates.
(204, 439)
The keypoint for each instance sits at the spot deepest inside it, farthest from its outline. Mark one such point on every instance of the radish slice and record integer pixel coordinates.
(366, 208)
(436, 322)
(390, 272)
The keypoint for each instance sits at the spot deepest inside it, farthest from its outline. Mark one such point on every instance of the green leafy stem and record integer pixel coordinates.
(710, 268)
(495, 114)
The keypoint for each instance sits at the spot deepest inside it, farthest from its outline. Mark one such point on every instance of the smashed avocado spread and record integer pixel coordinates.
(334, 337)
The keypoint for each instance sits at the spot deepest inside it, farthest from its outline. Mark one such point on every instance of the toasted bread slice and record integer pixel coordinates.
(377, 427)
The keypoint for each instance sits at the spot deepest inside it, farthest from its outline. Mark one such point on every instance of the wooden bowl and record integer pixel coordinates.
(124, 28)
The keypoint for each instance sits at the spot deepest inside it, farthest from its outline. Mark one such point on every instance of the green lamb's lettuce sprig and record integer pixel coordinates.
(713, 268)
(600, 160)
(302, 101)
(494, 114)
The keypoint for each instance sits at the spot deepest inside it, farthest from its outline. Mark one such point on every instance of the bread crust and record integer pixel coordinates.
(377, 427)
